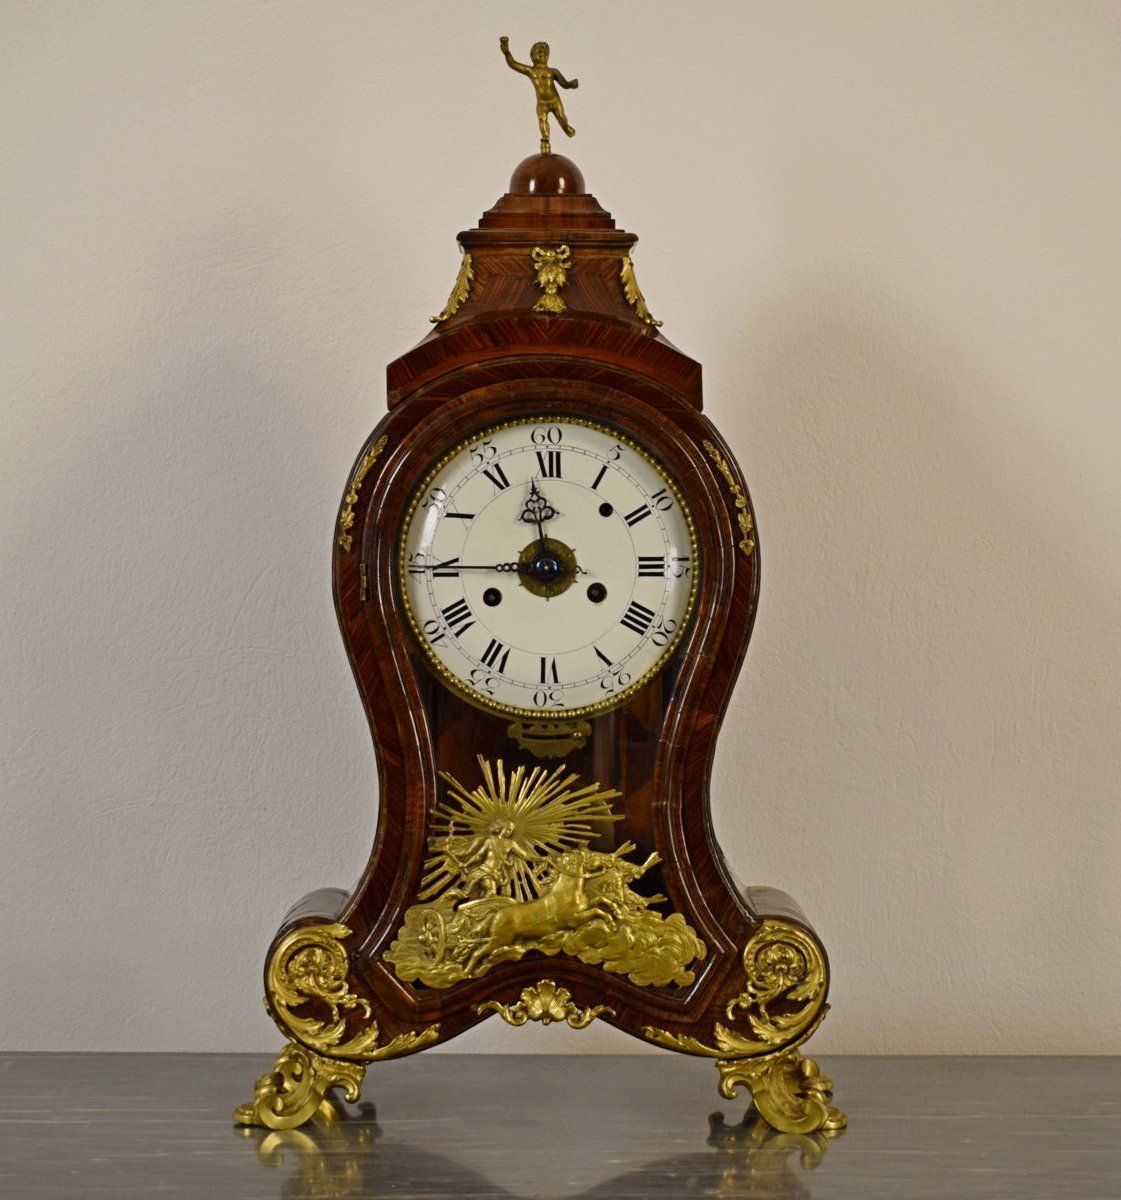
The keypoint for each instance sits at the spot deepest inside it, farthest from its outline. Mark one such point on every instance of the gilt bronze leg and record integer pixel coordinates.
(789, 1091)
(296, 1089)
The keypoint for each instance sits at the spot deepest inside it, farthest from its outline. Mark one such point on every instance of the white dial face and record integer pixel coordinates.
(548, 567)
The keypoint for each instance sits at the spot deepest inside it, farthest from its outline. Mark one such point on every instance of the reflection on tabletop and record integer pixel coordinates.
(343, 1152)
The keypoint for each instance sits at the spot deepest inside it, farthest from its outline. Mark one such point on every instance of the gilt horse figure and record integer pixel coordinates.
(564, 904)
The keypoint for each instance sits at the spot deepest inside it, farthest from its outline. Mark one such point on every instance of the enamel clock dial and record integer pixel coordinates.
(548, 567)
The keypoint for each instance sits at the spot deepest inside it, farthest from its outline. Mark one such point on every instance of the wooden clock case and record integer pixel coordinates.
(494, 356)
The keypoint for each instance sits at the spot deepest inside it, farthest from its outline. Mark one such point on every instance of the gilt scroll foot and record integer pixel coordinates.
(295, 1090)
(789, 1091)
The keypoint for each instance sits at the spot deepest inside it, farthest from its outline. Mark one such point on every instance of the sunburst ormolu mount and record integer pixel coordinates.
(546, 575)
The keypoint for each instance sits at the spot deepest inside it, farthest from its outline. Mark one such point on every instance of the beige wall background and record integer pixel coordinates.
(890, 232)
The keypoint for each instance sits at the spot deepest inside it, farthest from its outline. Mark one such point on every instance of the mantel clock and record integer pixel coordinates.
(545, 574)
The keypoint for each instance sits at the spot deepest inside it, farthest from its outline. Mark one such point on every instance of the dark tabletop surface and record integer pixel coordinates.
(620, 1127)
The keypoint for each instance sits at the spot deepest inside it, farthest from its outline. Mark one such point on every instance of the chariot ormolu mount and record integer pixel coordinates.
(546, 575)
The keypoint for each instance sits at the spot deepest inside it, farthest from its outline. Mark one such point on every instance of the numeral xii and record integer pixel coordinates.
(550, 463)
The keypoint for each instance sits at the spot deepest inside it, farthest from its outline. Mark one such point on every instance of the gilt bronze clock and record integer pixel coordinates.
(545, 574)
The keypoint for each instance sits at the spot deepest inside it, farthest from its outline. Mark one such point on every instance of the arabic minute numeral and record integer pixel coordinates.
(482, 452)
(433, 631)
(548, 698)
(483, 681)
(614, 679)
(663, 631)
(662, 500)
(550, 434)
(679, 567)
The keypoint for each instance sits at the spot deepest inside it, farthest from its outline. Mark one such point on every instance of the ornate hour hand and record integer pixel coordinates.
(537, 511)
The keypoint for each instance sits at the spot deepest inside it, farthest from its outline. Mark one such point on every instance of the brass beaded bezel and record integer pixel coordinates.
(452, 681)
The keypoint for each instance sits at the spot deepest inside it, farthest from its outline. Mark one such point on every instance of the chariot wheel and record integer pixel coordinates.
(432, 936)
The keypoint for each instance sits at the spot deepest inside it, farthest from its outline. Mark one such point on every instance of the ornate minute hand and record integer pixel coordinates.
(452, 566)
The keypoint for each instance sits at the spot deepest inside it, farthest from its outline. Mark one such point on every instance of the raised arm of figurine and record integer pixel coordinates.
(511, 61)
